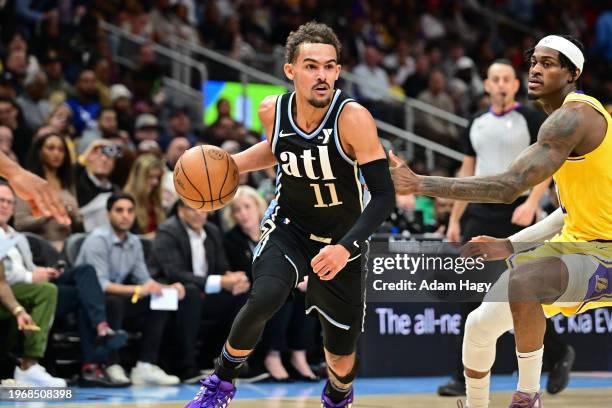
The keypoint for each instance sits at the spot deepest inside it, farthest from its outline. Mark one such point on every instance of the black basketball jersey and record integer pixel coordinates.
(318, 187)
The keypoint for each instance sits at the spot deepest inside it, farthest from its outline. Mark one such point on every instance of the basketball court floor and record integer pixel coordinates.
(592, 391)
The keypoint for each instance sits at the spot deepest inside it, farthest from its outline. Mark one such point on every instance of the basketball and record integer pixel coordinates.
(206, 178)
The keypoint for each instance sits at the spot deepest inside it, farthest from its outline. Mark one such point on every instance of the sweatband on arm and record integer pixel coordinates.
(378, 180)
(538, 232)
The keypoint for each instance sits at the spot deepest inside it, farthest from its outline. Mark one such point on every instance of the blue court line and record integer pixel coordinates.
(363, 386)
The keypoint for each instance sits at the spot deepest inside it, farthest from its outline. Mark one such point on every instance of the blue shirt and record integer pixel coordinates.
(113, 259)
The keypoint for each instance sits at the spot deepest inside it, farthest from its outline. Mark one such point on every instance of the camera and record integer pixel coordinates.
(112, 151)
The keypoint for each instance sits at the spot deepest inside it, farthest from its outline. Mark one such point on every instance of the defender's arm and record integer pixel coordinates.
(558, 136)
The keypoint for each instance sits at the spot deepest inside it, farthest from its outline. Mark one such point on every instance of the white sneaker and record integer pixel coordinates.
(117, 374)
(146, 373)
(36, 375)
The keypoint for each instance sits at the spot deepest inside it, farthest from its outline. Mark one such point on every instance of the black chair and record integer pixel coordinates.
(43, 253)
(73, 246)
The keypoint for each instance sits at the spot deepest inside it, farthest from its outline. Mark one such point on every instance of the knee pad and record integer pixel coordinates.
(482, 329)
(346, 379)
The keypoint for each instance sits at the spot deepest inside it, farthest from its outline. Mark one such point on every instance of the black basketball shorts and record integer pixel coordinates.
(285, 252)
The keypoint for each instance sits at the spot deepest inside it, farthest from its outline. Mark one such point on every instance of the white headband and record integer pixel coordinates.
(565, 47)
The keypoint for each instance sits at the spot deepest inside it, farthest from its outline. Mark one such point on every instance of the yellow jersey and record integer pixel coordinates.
(584, 185)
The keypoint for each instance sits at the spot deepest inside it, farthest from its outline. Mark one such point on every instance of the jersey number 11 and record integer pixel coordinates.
(332, 192)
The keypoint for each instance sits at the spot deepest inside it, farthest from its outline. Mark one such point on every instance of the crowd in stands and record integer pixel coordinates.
(102, 135)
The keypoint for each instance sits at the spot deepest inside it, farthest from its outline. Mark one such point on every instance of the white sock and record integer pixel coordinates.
(530, 370)
(477, 390)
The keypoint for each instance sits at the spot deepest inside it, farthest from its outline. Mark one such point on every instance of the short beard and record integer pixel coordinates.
(532, 97)
(319, 104)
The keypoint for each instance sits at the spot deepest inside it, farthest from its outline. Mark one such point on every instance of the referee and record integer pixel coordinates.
(492, 141)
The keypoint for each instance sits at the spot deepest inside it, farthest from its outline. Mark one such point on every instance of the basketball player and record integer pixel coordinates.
(323, 142)
(492, 140)
(575, 145)
(37, 192)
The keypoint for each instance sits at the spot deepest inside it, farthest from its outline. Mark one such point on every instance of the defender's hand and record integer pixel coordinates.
(40, 195)
(492, 249)
(329, 261)
(404, 179)
(524, 214)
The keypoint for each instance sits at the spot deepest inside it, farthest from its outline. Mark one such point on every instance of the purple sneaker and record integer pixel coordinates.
(214, 393)
(524, 400)
(328, 403)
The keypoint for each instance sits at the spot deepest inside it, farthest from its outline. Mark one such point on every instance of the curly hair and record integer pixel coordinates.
(310, 33)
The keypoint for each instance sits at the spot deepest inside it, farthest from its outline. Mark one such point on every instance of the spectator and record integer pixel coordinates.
(103, 71)
(417, 82)
(121, 102)
(40, 300)
(16, 63)
(144, 184)
(118, 258)
(400, 61)
(77, 291)
(147, 128)
(49, 159)
(146, 79)
(134, 19)
(190, 251)
(7, 85)
(58, 88)
(60, 120)
(93, 183)
(86, 103)
(435, 128)
(6, 142)
(9, 117)
(227, 128)
(176, 148)
(179, 125)
(371, 71)
(34, 107)
(35, 13)
(106, 128)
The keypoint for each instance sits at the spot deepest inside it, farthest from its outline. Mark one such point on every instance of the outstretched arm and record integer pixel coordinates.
(260, 156)
(36, 191)
(558, 136)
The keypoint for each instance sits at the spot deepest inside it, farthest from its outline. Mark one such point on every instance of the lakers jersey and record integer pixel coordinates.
(584, 186)
(318, 186)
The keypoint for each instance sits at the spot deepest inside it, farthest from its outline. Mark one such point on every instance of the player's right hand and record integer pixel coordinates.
(40, 195)
(405, 180)
(453, 234)
(492, 249)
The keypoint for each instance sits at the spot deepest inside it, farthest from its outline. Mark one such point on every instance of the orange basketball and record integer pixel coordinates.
(206, 178)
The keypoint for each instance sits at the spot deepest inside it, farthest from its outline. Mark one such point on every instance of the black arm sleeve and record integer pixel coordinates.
(378, 179)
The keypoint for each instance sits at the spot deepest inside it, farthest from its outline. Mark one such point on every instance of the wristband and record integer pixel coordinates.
(136, 294)
(17, 310)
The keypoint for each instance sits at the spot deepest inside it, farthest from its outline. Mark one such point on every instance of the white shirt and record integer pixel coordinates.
(17, 264)
(198, 260)
(375, 76)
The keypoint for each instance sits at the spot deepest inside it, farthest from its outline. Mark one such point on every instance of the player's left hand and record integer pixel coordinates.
(524, 214)
(329, 261)
(404, 179)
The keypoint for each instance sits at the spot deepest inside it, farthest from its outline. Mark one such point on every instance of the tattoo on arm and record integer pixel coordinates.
(557, 138)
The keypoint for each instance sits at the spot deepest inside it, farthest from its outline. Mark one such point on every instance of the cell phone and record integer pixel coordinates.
(60, 265)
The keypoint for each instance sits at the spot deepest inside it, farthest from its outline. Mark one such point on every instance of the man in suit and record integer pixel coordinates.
(190, 251)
